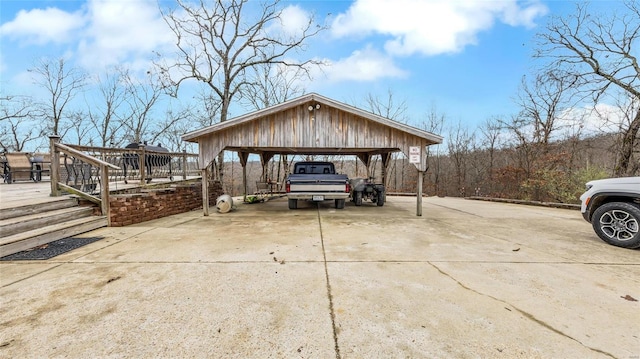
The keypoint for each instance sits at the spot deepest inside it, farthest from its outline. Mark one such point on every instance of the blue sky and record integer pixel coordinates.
(465, 58)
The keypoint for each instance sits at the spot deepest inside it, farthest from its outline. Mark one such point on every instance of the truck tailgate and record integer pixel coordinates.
(317, 187)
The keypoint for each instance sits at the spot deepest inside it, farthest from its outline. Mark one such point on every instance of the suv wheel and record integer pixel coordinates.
(618, 223)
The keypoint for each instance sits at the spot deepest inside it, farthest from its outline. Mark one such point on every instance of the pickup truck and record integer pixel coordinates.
(612, 206)
(316, 181)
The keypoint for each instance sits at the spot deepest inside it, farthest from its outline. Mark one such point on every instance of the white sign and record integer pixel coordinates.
(414, 154)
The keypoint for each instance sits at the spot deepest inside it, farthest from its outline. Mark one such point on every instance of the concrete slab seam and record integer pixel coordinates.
(110, 245)
(31, 276)
(68, 261)
(326, 273)
(524, 313)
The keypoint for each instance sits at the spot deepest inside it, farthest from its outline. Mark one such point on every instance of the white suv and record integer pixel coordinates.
(613, 208)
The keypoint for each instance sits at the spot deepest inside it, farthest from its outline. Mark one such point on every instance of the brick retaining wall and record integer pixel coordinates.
(147, 204)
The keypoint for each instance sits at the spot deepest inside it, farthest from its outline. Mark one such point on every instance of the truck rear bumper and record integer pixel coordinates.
(310, 196)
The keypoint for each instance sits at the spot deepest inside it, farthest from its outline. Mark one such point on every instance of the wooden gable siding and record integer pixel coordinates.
(297, 127)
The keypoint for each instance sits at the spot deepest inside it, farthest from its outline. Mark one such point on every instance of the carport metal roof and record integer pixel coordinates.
(315, 125)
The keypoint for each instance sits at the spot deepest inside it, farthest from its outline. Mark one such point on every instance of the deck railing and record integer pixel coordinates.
(86, 176)
(86, 171)
(133, 168)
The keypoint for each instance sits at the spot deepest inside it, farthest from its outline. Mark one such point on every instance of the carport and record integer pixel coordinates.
(313, 125)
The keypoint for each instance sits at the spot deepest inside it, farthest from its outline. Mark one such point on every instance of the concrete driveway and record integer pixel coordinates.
(469, 279)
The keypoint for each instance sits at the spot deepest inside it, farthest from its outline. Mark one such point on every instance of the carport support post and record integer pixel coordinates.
(205, 191)
(419, 199)
(386, 159)
(244, 157)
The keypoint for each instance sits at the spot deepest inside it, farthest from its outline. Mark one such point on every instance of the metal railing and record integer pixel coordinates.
(155, 165)
(87, 171)
(86, 176)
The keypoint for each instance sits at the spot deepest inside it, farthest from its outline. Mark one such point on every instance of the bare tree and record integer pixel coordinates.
(218, 43)
(491, 134)
(171, 136)
(16, 132)
(17, 128)
(62, 84)
(434, 123)
(387, 107)
(141, 95)
(542, 102)
(267, 85)
(16, 107)
(459, 144)
(208, 109)
(601, 52)
(80, 128)
(626, 110)
(104, 114)
(271, 84)
(521, 143)
(166, 129)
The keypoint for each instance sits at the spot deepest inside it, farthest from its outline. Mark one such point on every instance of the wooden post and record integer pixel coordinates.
(55, 165)
(205, 191)
(142, 161)
(184, 164)
(104, 193)
(386, 160)
(244, 157)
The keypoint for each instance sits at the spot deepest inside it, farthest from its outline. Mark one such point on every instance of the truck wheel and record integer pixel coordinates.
(380, 200)
(357, 198)
(618, 223)
(293, 204)
(340, 203)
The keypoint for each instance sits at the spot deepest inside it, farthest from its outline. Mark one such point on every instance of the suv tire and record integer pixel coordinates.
(618, 223)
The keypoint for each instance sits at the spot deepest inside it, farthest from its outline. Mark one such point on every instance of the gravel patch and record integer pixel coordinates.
(51, 249)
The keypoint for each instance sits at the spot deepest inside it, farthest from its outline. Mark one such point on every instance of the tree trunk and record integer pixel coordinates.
(624, 167)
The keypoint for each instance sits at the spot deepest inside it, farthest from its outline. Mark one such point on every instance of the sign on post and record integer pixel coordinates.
(414, 154)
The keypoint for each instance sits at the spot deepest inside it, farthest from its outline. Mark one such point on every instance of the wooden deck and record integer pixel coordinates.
(28, 192)
(24, 193)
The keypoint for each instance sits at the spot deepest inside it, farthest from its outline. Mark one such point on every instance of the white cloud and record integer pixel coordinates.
(293, 20)
(603, 118)
(431, 27)
(362, 65)
(122, 31)
(515, 16)
(106, 32)
(42, 26)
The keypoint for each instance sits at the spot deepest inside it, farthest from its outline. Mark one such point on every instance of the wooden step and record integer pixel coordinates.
(37, 206)
(16, 225)
(29, 239)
